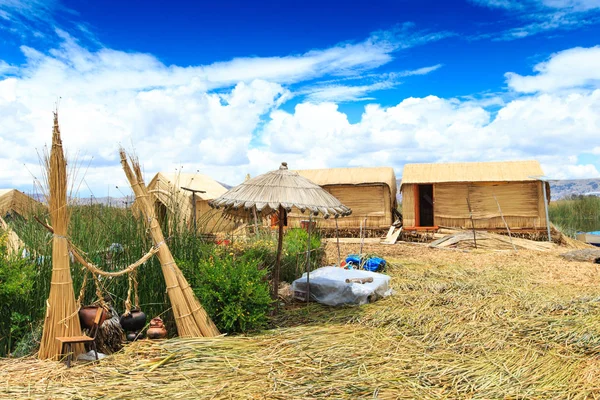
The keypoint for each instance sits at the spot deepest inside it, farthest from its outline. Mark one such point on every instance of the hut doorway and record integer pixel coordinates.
(425, 204)
(161, 212)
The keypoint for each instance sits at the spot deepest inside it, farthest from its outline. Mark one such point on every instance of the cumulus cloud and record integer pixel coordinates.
(199, 117)
(226, 119)
(572, 68)
(551, 128)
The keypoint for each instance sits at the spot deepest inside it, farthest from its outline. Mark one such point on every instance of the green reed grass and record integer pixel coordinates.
(578, 214)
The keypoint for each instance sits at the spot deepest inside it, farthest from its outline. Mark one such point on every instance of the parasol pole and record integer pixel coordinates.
(308, 259)
(278, 259)
(194, 191)
(337, 235)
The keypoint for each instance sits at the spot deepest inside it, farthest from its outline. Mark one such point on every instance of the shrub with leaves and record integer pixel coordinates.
(233, 291)
(16, 283)
(293, 263)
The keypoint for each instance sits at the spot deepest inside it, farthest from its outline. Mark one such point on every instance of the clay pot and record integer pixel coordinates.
(134, 321)
(157, 329)
(131, 336)
(87, 315)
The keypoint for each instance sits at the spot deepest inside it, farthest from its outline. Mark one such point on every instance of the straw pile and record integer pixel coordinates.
(61, 313)
(459, 326)
(191, 319)
(489, 241)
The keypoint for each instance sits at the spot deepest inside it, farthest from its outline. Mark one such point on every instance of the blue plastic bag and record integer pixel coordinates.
(353, 259)
(374, 264)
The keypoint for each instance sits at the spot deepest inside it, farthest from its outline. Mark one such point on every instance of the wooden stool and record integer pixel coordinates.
(69, 340)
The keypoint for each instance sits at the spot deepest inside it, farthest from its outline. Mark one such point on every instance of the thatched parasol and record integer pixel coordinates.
(279, 191)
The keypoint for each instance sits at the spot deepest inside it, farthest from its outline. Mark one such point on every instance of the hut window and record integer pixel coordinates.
(425, 205)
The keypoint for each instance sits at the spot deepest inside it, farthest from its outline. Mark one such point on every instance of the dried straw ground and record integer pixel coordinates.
(460, 325)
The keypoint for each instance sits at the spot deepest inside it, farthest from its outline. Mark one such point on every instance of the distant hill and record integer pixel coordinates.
(562, 188)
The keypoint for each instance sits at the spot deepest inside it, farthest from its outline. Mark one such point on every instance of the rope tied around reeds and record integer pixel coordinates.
(130, 268)
(132, 285)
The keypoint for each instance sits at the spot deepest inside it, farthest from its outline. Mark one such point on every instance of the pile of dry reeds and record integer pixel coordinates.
(61, 313)
(490, 241)
(459, 325)
(190, 317)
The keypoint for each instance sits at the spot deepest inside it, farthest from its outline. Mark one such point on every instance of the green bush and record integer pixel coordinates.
(263, 249)
(16, 284)
(233, 291)
(293, 263)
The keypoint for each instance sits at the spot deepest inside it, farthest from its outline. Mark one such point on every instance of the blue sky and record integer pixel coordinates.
(230, 88)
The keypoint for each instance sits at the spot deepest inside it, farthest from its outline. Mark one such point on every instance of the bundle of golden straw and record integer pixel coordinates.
(61, 313)
(191, 319)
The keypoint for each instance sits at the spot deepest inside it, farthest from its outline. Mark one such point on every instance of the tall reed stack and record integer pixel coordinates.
(61, 313)
(190, 317)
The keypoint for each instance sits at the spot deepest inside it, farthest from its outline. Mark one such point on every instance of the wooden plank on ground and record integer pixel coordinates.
(393, 238)
(389, 234)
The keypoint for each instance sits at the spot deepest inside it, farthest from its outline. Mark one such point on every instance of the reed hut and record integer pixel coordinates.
(369, 192)
(173, 198)
(13, 201)
(486, 195)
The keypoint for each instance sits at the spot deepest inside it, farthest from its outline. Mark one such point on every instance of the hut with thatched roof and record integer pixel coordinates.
(173, 198)
(486, 195)
(369, 192)
(13, 201)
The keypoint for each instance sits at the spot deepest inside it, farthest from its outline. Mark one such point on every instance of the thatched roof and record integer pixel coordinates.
(352, 176)
(504, 171)
(196, 181)
(13, 242)
(280, 187)
(12, 200)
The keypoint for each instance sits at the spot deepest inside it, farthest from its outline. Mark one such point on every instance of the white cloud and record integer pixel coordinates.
(552, 128)
(539, 16)
(576, 5)
(572, 68)
(419, 71)
(171, 115)
(566, 171)
(28, 9)
(346, 93)
(334, 90)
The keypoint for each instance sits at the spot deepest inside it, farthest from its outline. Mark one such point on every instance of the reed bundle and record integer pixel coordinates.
(190, 317)
(61, 312)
